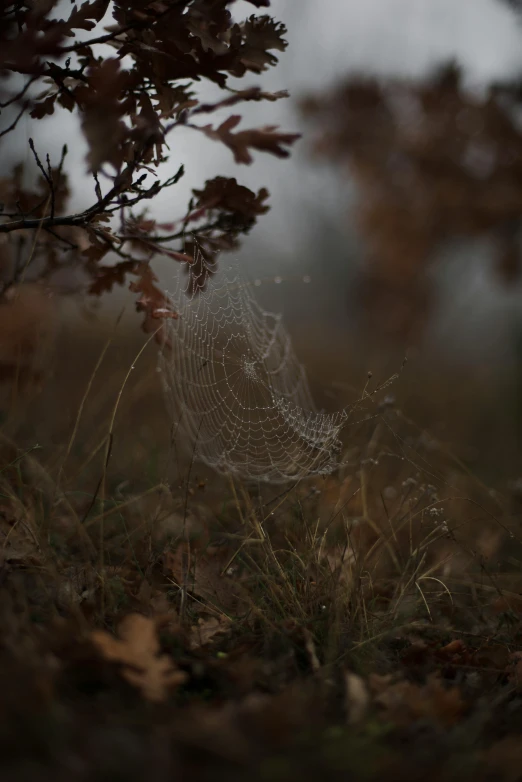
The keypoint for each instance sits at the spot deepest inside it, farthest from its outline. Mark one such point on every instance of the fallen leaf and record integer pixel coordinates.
(137, 651)
(207, 629)
(203, 576)
(404, 702)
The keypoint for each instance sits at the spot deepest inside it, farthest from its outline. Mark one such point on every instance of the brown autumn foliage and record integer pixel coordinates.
(431, 162)
(129, 104)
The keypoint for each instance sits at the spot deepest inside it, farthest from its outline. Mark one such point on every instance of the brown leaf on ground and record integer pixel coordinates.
(160, 605)
(137, 651)
(207, 629)
(203, 576)
(404, 702)
(155, 603)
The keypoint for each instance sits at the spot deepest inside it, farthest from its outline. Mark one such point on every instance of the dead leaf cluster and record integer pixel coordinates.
(127, 114)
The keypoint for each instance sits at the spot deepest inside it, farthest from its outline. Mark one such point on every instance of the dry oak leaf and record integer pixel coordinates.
(207, 629)
(137, 651)
(266, 139)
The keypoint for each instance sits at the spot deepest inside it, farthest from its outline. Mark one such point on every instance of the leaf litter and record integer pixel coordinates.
(138, 652)
(289, 658)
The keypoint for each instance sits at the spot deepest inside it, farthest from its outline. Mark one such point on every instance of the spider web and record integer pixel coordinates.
(235, 386)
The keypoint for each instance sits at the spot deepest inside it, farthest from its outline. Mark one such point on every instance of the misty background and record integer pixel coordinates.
(309, 229)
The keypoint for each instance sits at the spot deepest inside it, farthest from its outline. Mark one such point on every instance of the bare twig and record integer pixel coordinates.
(15, 122)
(39, 162)
(75, 47)
(20, 94)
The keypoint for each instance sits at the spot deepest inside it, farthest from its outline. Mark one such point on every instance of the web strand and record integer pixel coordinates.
(233, 380)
